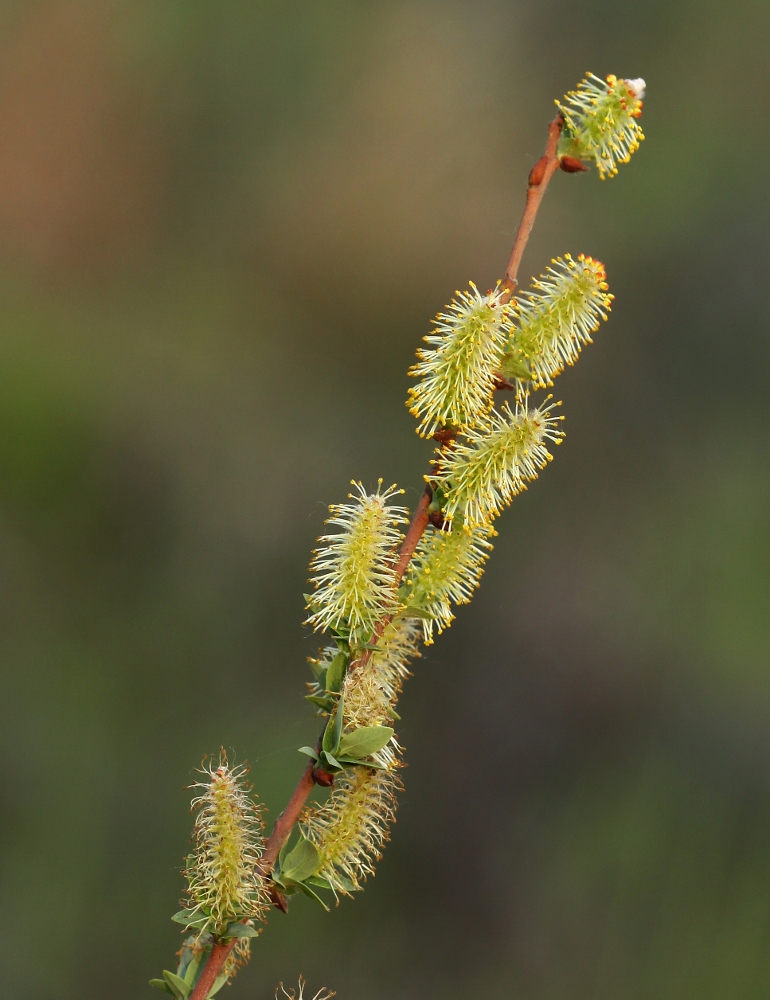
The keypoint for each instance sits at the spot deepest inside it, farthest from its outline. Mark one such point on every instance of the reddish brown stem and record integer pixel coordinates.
(285, 822)
(539, 177)
(216, 962)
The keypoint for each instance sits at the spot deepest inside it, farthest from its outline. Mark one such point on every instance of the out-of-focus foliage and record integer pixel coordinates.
(223, 231)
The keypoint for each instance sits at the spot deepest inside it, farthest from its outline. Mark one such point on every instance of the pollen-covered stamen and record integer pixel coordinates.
(457, 376)
(354, 577)
(556, 319)
(224, 881)
(446, 569)
(601, 121)
(485, 471)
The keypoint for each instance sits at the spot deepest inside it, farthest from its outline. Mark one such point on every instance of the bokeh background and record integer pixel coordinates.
(223, 229)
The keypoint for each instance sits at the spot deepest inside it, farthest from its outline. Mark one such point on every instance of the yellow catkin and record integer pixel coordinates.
(353, 569)
(483, 473)
(457, 377)
(352, 826)
(224, 881)
(446, 569)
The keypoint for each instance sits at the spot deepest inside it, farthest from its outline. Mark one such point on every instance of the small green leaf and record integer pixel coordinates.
(241, 931)
(304, 887)
(319, 880)
(302, 862)
(317, 669)
(338, 725)
(178, 986)
(357, 762)
(414, 613)
(336, 672)
(219, 982)
(516, 369)
(190, 918)
(365, 741)
(161, 984)
(393, 714)
(310, 752)
(327, 743)
(321, 701)
(332, 761)
(191, 970)
(345, 882)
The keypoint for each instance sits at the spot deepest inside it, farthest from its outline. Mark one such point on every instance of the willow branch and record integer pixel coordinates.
(216, 962)
(539, 177)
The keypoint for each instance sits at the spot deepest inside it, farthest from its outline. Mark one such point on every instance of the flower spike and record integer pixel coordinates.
(350, 829)
(556, 319)
(354, 573)
(601, 121)
(224, 881)
(484, 473)
(446, 569)
(457, 377)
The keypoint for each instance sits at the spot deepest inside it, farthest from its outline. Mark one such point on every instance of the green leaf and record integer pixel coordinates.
(336, 672)
(414, 613)
(393, 714)
(318, 670)
(327, 743)
(178, 986)
(161, 984)
(345, 882)
(338, 724)
(302, 862)
(319, 880)
(321, 701)
(332, 760)
(219, 982)
(191, 970)
(514, 368)
(357, 762)
(310, 752)
(365, 741)
(241, 931)
(304, 887)
(190, 918)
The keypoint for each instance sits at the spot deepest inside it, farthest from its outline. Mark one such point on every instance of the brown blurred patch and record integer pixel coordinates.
(81, 165)
(404, 179)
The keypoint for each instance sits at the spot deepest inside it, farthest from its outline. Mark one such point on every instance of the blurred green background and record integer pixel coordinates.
(223, 230)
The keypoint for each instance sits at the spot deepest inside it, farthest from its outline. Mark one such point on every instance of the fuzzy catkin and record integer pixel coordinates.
(354, 576)
(224, 881)
(446, 569)
(556, 319)
(601, 124)
(352, 826)
(484, 472)
(457, 377)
